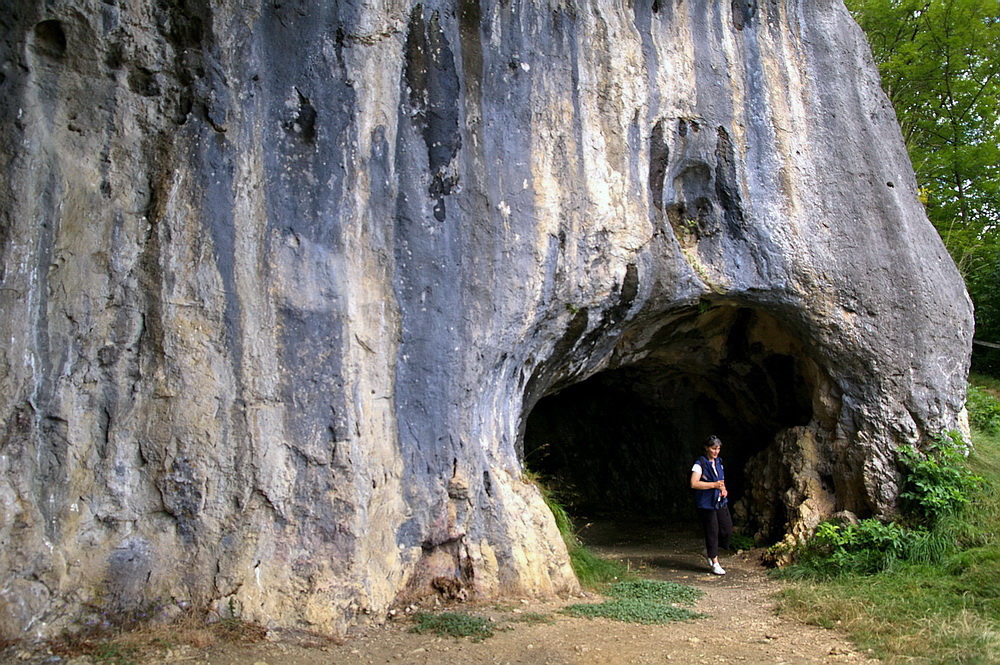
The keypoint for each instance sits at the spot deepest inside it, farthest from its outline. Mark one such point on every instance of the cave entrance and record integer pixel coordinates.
(622, 441)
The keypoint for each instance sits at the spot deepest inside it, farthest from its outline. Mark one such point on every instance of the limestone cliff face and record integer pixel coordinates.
(282, 283)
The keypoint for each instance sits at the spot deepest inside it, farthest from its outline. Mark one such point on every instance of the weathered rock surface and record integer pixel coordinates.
(283, 283)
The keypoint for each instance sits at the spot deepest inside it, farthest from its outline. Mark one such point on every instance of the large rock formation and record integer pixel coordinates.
(290, 289)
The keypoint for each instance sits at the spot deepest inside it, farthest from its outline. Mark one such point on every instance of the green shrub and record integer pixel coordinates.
(936, 482)
(864, 548)
(984, 409)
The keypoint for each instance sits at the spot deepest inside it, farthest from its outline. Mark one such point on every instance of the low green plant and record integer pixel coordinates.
(532, 618)
(591, 570)
(866, 548)
(642, 601)
(115, 653)
(984, 409)
(656, 590)
(632, 611)
(453, 624)
(936, 483)
(741, 541)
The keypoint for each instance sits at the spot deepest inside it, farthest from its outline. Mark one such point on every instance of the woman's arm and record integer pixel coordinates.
(698, 484)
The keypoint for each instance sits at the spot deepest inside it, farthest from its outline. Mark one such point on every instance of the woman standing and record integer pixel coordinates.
(708, 480)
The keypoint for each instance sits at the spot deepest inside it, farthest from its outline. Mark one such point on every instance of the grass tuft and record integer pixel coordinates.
(592, 571)
(532, 618)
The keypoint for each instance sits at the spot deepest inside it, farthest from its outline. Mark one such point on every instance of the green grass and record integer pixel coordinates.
(532, 618)
(632, 600)
(986, 382)
(592, 571)
(912, 615)
(113, 653)
(477, 628)
(947, 612)
(642, 601)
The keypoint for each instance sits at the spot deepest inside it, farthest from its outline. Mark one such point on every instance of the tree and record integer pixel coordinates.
(940, 66)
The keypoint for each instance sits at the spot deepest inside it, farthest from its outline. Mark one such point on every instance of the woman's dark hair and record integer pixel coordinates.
(712, 441)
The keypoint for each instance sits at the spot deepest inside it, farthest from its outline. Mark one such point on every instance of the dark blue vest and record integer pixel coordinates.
(710, 499)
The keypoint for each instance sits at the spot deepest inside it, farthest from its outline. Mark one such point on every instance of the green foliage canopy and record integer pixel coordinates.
(940, 68)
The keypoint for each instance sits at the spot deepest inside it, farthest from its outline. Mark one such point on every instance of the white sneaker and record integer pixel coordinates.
(717, 569)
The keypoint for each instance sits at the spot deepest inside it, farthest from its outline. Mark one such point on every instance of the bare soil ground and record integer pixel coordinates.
(742, 626)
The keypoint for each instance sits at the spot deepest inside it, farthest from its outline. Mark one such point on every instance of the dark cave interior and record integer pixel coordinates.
(622, 442)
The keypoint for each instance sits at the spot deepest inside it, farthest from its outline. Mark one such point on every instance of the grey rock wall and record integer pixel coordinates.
(281, 282)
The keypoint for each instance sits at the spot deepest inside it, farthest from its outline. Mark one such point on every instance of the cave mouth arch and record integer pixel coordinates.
(621, 442)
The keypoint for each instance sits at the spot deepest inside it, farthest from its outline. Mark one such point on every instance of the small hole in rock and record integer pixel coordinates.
(50, 38)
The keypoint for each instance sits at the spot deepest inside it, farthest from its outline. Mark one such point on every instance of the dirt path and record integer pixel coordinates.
(742, 627)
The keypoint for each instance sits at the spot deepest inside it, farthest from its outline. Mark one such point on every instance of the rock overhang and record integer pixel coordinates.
(620, 440)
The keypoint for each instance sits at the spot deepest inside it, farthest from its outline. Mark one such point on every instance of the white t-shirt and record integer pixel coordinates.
(697, 467)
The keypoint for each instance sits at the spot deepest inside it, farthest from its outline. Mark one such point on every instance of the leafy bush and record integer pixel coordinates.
(984, 409)
(863, 548)
(936, 482)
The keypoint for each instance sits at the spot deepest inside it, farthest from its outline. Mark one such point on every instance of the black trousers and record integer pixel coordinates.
(718, 526)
